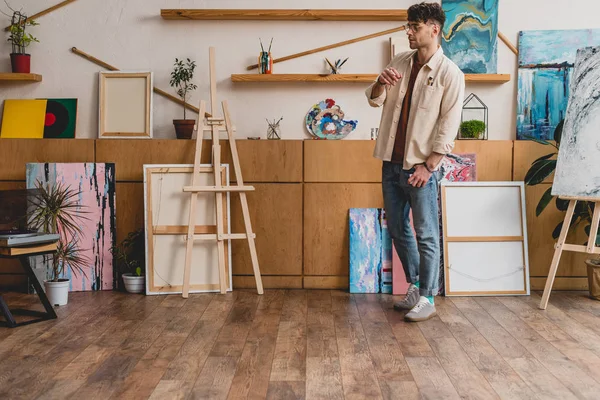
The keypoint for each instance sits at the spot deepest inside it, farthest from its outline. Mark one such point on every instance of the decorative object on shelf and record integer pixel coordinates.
(474, 119)
(130, 259)
(325, 120)
(335, 67)
(61, 118)
(273, 132)
(265, 61)
(253, 137)
(181, 77)
(546, 60)
(95, 199)
(374, 133)
(125, 104)
(470, 35)
(39, 118)
(20, 60)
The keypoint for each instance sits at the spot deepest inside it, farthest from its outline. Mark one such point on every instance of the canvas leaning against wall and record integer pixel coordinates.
(578, 166)
(96, 182)
(546, 59)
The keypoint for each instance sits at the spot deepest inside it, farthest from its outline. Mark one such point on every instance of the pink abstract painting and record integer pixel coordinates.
(96, 184)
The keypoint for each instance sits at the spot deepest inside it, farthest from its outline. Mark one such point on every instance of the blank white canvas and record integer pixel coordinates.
(125, 105)
(399, 44)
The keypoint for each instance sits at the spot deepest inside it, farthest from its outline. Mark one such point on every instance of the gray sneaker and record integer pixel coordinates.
(410, 300)
(421, 312)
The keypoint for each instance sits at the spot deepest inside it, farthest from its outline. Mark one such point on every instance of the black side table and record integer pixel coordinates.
(23, 254)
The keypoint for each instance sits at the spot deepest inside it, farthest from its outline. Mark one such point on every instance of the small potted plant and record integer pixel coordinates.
(130, 259)
(472, 129)
(181, 80)
(20, 60)
(56, 210)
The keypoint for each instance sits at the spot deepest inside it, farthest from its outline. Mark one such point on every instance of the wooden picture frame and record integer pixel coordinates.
(485, 238)
(166, 214)
(125, 104)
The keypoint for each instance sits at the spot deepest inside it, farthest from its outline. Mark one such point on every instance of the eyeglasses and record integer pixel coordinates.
(415, 27)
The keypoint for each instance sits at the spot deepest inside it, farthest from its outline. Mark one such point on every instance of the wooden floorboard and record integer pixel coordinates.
(302, 344)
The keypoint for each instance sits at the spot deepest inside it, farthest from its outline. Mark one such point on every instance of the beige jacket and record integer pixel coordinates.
(435, 112)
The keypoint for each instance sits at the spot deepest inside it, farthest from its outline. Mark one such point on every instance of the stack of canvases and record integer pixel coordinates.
(374, 263)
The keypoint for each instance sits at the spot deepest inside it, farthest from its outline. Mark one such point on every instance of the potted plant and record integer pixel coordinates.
(584, 210)
(181, 76)
(472, 129)
(56, 210)
(130, 258)
(20, 40)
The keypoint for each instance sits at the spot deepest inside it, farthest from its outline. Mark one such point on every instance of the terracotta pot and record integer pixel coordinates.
(20, 63)
(184, 128)
(593, 269)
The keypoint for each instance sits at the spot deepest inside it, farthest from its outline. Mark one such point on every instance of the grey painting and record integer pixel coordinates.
(578, 166)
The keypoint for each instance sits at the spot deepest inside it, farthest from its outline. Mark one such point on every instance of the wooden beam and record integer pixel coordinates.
(13, 76)
(508, 43)
(350, 78)
(284, 15)
(46, 11)
(156, 90)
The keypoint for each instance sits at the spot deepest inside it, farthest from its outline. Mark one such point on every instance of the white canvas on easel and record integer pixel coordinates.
(166, 210)
(485, 238)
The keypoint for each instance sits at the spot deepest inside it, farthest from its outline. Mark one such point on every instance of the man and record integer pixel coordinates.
(421, 92)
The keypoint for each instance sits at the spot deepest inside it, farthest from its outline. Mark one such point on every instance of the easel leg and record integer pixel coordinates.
(557, 253)
(219, 207)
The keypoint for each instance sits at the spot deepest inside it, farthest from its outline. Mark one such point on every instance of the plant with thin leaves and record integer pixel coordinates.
(542, 168)
(181, 76)
(19, 38)
(130, 253)
(55, 209)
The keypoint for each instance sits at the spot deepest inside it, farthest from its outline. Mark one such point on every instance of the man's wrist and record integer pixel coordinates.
(427, 168)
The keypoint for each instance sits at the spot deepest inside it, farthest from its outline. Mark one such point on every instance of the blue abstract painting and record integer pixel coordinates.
(325, 120)
(546, 59)
(470, 35)
(370, 252)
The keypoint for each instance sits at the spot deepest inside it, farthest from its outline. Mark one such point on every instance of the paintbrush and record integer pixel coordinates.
(261, 45)
(270, 45)
(340, 66)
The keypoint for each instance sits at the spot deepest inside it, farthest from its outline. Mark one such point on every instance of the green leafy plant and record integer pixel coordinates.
(130, 254)
(472, 129)
(542, 168)
(181, 77)
(55, 209)
(19, 38)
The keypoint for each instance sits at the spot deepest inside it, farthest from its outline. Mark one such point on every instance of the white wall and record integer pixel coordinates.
(130, 34)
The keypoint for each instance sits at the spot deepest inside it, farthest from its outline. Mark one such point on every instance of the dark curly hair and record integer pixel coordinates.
(424, 12)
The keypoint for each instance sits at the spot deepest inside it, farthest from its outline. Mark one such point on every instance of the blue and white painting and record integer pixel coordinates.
(578, 166)
(370, 251)
(546, 59)
(470, 35)
(325, 120)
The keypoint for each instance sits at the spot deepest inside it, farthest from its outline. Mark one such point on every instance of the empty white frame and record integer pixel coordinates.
(166, 210)
(485, 238)
(125, 104)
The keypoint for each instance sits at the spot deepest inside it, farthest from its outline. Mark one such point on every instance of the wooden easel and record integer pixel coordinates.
(561, 245)
(215, 125)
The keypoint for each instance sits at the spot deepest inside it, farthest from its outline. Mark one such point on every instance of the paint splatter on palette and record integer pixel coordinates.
(96, 184)
(325, 120)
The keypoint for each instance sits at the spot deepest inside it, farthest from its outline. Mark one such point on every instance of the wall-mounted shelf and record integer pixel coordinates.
(13, 76)
(355, 78)
(284, 15)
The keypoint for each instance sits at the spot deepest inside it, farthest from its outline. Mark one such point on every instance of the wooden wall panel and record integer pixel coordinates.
(326, 282)
(494, 158)
(130, 208)
(526, 152)
(326, 229)
(341, 161)
(15, 153)
(10, 266)
(560, 283)
(541, 243)
(269, 282)
(276, 216)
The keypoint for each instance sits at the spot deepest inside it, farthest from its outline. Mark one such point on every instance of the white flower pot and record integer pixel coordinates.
(57, 292)
(134, 283)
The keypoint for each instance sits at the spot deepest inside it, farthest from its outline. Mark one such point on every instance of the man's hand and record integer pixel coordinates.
(389, 76)
(420, 177)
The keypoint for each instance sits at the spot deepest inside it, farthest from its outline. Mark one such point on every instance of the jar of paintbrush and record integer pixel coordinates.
(265, 61)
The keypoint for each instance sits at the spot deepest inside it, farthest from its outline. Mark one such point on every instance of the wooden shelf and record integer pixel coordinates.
(354, 78)
(284, 15)
(10, 76)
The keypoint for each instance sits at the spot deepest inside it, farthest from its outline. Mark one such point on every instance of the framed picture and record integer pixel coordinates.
(125, 104)
(485, 238)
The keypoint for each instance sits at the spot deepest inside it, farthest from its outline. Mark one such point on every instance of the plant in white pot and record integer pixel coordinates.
(130, 258)
(19, 58)
(181, 77)
(56, 210)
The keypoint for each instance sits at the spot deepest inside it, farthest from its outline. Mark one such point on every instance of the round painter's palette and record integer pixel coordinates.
(325, 120)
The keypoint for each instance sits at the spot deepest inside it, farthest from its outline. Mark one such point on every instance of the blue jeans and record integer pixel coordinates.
(421, 257)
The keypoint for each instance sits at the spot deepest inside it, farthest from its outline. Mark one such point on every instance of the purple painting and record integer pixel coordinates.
(96, 182)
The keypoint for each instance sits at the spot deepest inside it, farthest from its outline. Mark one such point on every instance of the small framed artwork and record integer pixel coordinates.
(125, 105)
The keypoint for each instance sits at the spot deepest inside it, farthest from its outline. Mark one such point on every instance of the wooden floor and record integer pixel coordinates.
(303, 344)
